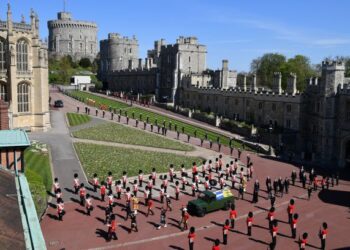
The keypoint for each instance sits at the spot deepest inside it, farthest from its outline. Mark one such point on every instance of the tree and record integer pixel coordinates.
(301, 66)
(347, 67)
(85, 63)
(265, 66)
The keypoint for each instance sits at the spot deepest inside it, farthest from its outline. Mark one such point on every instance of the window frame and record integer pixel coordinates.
(23, 97)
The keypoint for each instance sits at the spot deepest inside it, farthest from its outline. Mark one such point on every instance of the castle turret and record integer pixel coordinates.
(277, 83)
(254, 88)
(332, 76)
(292, 84)
(140, 64)
(224, 74)
(9, 19)
(242, 81)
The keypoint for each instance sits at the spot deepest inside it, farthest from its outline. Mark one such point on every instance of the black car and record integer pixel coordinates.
(58, 104)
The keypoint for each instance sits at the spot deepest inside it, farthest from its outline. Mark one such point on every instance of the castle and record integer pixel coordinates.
(24, 93)
(315, 123)
(77, 39)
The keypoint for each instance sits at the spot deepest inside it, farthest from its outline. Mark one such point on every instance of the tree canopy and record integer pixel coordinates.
(269, 63)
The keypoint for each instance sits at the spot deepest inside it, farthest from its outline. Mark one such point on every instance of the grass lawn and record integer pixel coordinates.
(118, 133)
(77, 119)
(102, 159)
(189, 129)
(38, 173)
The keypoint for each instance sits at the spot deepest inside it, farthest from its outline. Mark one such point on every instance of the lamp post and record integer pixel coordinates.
(270, 130)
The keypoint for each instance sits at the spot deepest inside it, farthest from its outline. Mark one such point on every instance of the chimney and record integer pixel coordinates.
(130, 64)
(292, 84)
(225, 64)
(277, 83)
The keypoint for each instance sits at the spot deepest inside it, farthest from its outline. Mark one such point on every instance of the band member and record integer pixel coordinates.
(191, 236)
(82, 193)
(323, 235)
(225, 229)
(60, 209)
(177, 190)
(56, 185)
(165, 183)
(95, 182)
(303, 241)
(204, 168)
(109, 181)
(88, 204)
(290, 210)
(76, 183)
(140, 178)
(103, 191)
(294, 225)
(118, 189)
(135, 188)
(124, 179)
(154, 176)
(112, 225)
(233, 215)
(250, 223)
(171, 172)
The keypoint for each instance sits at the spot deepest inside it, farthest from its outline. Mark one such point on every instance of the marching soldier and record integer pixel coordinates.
(133, 226)
(162, 218)
(82, 193)
(194, 170)
(222, 181)
(250, 223)
(294, 225)
(135, 188)
(274, 232)
(207, 183)
(233, 181)
(233, 215)
(225, 229)
(103, 191)
(204, 168)
(184, 180)
(271, 217)
(191, 236)
(177, 190)
(76, 183)
(60, 209)
(140, 177)
(111, 201)
(150, 185)
(216, 245)
(150, 207)
(168, 203)
(193, 188)
(171, 172)
(108, 214)
(290, 210)
(146, 195)
(58, 194)
(154, 176)
(109, 181)
(88, 204)
(56, 185)
(112, 225)
(118, 189)
(227, 171)
(161, 194)
(165, 183)
(216, 165)
(303, 241)
(95, 182)
(323, 235)
(124, 179)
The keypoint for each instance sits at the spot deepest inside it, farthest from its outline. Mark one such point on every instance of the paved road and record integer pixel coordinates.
(64, 160)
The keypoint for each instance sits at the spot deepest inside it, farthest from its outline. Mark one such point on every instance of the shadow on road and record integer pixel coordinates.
(336, 197)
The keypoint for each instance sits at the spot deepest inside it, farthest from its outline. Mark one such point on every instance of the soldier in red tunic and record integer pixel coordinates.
(191, 236)
(112, 225)
(294, 225)
(60, 209)
(95, 182)
(250, 223)
(274, 232)
(82, 193)
(233, 215)
(225, 229)
(216, 245)
(290, 210)
(303, 241)
(323, 235)
(103, 191)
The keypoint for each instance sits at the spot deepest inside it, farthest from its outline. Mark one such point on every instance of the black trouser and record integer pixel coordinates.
(112, 234)
(290, 216)
(273, 243)
(294, 233)
(323, 244)
(102, 197)
(118, 195)
(249, 231)
(135, 193)
(171, 178)
(165, 189)
(60, 216)
(225, 239)
(140, 183)
(177, 196)
(232, 223)
(191, 245)
(82, 200)
(124, 184)
(95, 188)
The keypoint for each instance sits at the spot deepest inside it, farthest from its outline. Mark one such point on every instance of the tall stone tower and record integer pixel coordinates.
(332, 76)
(72, 37)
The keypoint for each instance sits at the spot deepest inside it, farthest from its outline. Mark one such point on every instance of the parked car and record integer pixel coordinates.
(58, 104)
(209, 201)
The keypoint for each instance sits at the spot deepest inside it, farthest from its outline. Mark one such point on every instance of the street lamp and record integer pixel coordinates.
(270, 130)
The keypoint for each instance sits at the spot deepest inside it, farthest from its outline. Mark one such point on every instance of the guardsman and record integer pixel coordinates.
(150, 185)
(241, 191)
(118, 189)
(271, 217)
(103, 191)
(82, 193)
(76, 183)
(209, 167)
(184, 181)
(146, 195)
(177, 190)
(210, 174)
(274, 232)
(294, 225)
(206, 183)
(58, 194)
(95, 182)
(250, 223)
(216, 165)
(112, 226)
(222, 181)
(109, 180)
(56, 185)
(135, 188)
(107, 214)
(290, 210)
(171, 172)
(168, 203)
(216, 245)
(191, 236)
(235, 166)
(323, 235)
(186, 217)
(204, 168)
(241, 175)
(220, 162)
(154, 176)
(161, 193)
(233, 215)
(303, 241)
(194, 170)
(124, 179)
(111, 201)
(149, 207)
(60, 209)
(225, 229)
(233, 181)
(193, 188)
(165, 183)
(227, 171)
(140, 177)
(272, 199)
(183, 169)
(88, 204)
(196, 180)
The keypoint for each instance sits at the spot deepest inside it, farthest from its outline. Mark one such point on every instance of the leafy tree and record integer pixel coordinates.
(301, 66)
(347, 68)
(85, 63)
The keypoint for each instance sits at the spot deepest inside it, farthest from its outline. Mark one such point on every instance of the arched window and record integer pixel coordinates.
(22, 55)
(2, 54)
(3, 91)
(23, 97)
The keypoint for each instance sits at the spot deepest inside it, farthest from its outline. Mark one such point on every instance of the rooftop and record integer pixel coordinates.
(13, 138)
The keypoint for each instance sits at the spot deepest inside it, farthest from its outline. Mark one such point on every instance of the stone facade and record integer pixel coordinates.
(71, 37)
(24, 74)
